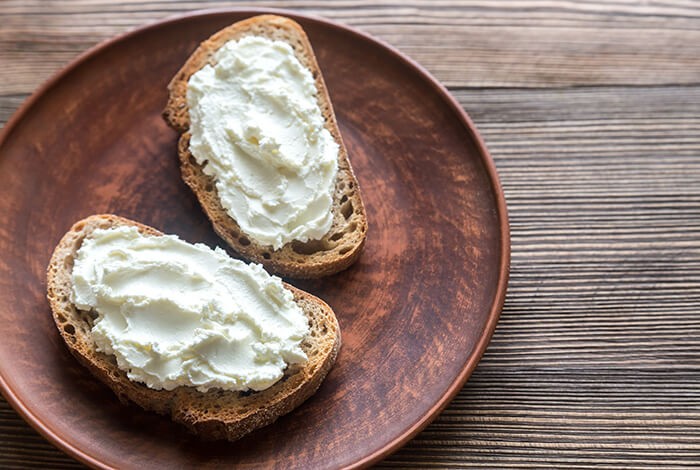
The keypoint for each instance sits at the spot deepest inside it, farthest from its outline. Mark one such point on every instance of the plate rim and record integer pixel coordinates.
(473, 359)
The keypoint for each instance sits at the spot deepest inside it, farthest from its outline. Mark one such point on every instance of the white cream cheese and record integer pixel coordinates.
(174, 314)
(256, 124)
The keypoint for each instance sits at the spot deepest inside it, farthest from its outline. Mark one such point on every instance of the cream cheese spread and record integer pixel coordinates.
(176, 314)
(257, 128)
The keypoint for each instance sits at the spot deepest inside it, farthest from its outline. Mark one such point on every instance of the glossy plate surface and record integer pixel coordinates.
(416, 311)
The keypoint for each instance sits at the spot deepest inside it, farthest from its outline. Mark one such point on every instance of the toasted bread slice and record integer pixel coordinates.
(216, 414)
(342, 245)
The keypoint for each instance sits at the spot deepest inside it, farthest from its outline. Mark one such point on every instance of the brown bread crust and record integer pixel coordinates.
(216, 414)
(342, 245)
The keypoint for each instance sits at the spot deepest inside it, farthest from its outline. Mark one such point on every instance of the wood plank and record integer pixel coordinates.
(508, 44)
(9, 104)
(586, 418)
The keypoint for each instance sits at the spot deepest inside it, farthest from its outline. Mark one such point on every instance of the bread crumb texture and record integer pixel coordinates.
(343, 243)
(216, 414)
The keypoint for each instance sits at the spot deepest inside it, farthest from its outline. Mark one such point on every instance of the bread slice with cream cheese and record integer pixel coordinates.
(342, 244)
(215, 414)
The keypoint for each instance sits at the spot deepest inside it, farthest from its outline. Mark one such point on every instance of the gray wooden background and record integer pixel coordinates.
(592, 113)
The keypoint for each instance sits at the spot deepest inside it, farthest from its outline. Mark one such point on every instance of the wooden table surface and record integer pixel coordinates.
(592, 113)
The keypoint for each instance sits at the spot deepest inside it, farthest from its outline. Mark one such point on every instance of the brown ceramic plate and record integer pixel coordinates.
(416, 311)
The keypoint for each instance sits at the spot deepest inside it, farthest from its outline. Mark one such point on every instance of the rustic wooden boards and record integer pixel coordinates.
(592, 113)
(464, 43)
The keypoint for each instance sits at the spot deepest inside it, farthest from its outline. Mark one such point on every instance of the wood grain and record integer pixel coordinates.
(464, 43)
(591, 111)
